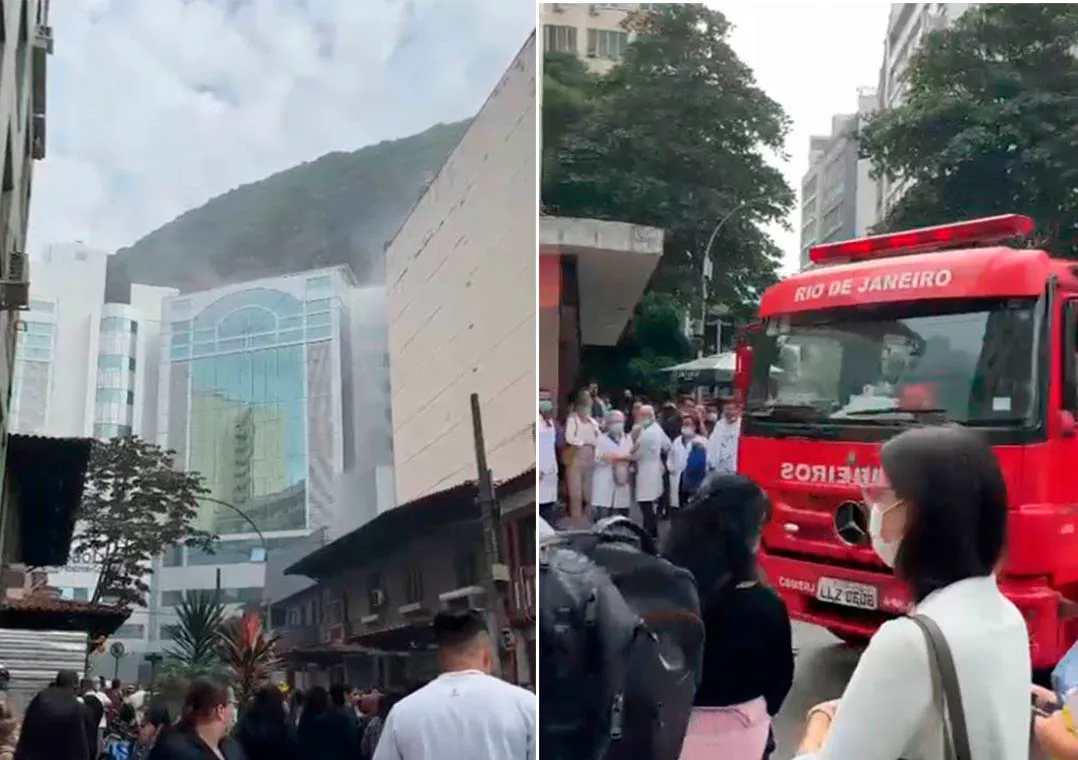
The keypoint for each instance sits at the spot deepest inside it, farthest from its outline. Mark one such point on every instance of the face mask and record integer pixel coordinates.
(887, 550)
(646, 423)
(617, 428)
(713, 417)
(546, 407)
(688, 432)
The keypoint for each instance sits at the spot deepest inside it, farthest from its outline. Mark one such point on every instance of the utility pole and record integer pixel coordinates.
(497, 574)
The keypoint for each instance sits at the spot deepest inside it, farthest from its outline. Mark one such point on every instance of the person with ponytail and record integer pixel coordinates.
(748, 663)
(202, 732)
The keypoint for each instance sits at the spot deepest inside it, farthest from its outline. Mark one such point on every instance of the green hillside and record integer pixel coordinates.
(340, 208)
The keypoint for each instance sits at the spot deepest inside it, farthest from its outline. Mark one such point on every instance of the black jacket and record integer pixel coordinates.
(186, 745)
(55, 727)
(264, 739)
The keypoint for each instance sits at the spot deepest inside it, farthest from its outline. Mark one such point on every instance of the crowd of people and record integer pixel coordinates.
(466, 712)
(938, 518)
(602, 460)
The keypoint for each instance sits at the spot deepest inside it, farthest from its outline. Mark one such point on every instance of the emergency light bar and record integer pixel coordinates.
(993, 229)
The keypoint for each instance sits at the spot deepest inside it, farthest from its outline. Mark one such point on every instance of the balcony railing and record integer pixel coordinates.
(524, 592)
(299, 635)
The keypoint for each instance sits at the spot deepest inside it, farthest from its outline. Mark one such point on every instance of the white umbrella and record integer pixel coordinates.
(724, 362)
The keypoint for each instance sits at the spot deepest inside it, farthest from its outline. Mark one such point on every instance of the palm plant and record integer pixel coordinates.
(249, 654)
(196, 636)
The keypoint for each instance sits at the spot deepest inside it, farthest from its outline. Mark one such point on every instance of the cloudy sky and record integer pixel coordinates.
(156, 106)
(811, 57)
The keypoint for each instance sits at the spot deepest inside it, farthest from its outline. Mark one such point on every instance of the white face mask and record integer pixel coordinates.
(688, 432)
(617, 428)
(887, 550)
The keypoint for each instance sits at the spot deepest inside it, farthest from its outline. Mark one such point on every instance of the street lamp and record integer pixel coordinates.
(705, 271)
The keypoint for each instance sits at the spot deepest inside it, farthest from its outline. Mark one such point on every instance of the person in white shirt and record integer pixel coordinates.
(546, 437)
(651, 447)
(678, 458)
(581, 435)
(611, 492)
(939, 518)
(465, 713)
(722, 445)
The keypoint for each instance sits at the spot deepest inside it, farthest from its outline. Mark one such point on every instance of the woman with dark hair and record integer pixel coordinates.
(155, 722)
(202, 732)
(379, 711)
(938, 516)
(263, 732)
(748, 664)
(324, 732)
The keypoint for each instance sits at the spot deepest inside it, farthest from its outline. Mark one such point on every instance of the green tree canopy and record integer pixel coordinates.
(135, 505)
(676, 136)
(989, 123)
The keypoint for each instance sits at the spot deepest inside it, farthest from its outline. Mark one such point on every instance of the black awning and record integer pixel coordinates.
(48, 475)
(383, 534)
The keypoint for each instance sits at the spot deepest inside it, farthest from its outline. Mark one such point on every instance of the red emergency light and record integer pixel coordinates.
(993, 229)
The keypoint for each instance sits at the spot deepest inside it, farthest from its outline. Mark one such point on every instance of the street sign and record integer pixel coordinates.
(116, 649)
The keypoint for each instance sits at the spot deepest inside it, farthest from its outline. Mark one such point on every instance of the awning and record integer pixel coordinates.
(47, 476)
(46, 613)
(384, 533)
(330, 652)
(403, 638)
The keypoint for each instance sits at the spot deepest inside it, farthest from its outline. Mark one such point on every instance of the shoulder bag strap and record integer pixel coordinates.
(945, 682)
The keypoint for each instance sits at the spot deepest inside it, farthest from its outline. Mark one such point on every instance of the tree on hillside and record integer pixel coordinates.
(989, 123)
(677, 136)
(135, 505)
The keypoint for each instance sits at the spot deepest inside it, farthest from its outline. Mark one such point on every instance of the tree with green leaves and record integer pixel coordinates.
(196, 636)
(988, 124)
(677, 136)
(135, 505)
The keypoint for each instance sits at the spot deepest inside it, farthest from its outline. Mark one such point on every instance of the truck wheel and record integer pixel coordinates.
(850, 639)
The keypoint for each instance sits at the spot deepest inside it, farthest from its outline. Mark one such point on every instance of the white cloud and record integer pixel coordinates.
(811, 57)
(155, 106)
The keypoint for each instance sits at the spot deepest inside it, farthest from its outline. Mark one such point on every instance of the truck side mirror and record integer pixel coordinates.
(1067, 425)
(743, 369)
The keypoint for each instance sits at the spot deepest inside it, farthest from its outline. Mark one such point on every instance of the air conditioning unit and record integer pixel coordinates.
(15, 287)
(593, 9)
(557, 8)
(43, 38)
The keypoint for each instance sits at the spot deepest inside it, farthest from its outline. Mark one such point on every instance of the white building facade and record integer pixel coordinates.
(838, 193)
(907, 25)
(593, 32)
(276, 392)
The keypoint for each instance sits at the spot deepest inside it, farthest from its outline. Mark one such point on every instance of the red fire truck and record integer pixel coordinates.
(949, 324)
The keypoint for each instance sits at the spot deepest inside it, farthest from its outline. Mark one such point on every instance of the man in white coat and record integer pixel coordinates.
(546, 436)
(611, 492)
(651, 446)
(722, 445)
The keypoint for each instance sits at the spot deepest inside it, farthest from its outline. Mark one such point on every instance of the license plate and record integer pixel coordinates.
(848, 594)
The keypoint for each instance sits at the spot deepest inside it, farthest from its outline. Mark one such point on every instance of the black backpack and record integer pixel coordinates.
(620, 646)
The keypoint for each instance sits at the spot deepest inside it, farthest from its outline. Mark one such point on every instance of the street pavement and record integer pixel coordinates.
(822, 667)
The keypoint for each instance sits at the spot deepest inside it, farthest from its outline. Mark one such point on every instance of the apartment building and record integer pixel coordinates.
(907, 25)
(593, 32)
(838, 193)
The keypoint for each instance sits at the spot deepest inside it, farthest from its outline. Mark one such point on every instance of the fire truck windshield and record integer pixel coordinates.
(971, 362)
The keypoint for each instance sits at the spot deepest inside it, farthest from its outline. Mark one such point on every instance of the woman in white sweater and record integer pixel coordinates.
(939, 519)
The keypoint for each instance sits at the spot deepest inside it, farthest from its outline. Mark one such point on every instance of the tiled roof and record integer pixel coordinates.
(42, 603)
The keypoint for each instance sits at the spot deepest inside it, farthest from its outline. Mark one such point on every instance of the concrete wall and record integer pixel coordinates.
(460, 301)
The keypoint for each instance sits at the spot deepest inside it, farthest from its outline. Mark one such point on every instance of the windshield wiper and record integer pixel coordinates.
(881, 411)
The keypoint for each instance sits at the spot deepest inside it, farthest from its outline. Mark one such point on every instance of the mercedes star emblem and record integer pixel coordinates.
(851, 525)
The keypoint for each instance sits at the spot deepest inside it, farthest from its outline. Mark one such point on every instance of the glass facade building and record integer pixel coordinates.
(32, 374)
(117, 362)
(253, 400)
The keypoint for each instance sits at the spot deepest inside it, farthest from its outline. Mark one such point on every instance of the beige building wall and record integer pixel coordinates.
(460, 301)
(591, 31)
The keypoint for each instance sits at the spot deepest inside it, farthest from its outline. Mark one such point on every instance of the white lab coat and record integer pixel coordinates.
(605, 492)
(546, 435)
(650, 448)
(676, 462)
(722, 446)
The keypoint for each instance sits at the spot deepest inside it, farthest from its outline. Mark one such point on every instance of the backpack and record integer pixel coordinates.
(695, 469)
(620, 646)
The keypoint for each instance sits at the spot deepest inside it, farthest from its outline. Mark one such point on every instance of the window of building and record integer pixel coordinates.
(173, 556)
(130, 631)
(832, 220)
(45, 307)
(115, 325)
(559, 39)
(413, 590)
(38, 328)
(374, 588)
(467, 569)
(171, 598)
(607, 44)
